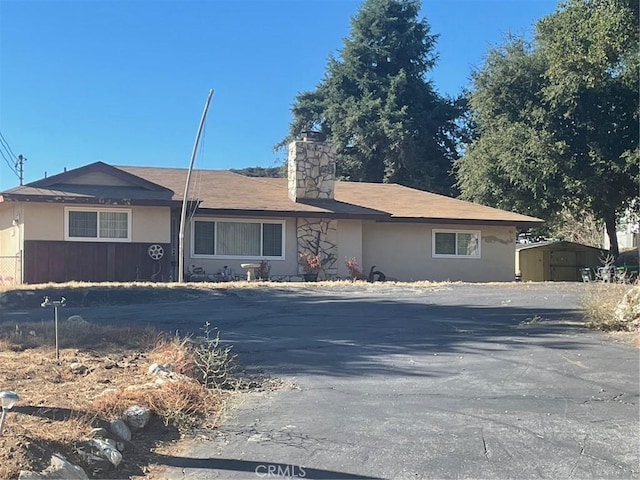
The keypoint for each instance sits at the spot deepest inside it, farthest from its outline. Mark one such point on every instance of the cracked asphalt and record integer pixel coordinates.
(454, 381)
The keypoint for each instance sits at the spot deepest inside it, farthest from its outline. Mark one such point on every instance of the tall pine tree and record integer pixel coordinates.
(377, 106)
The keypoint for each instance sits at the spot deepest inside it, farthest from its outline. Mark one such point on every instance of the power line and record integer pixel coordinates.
(6, 145)
(11, 167)
(17, 159)
(4, 150)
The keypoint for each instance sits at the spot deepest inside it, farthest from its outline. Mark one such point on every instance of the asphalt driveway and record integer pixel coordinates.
(455, 381)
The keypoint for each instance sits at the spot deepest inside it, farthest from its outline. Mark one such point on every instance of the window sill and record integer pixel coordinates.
(236, 257)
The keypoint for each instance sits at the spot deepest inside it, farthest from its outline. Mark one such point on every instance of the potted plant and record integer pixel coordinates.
(354, 269)
(311, 265)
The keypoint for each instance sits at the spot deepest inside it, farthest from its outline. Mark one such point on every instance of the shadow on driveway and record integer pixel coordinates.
(258, 469)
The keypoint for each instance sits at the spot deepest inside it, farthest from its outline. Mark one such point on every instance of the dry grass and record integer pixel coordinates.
(600, 302)
(184, 403)
(58, 407)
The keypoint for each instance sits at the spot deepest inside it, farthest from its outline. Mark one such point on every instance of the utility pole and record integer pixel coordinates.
(20, 168)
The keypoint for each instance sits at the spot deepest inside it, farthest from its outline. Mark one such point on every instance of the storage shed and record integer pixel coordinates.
(555, 261)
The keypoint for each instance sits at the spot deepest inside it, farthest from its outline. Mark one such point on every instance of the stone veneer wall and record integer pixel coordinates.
(311, 170)
(319, 236)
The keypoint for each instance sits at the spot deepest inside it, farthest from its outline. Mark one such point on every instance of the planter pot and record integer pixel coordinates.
(310, 277)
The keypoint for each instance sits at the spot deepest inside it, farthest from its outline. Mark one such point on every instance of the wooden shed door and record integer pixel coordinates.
(564, 266)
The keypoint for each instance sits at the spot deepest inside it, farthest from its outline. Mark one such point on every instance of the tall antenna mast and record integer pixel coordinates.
(183, 213)
(20, 168)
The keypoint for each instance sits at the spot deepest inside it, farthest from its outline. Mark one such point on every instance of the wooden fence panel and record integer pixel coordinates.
(51, 261)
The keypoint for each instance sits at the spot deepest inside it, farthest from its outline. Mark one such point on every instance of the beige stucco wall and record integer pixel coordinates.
(404, 251)
(151, 224)
(288, 266)
(349, 244)
(10, 228)
(11, 244)
(45, 221)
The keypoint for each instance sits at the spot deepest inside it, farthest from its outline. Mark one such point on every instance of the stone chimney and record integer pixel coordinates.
(312, 168)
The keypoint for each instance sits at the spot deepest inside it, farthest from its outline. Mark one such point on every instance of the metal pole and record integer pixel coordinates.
(183, 213)
(55, 304)
(55, 310)
(2, 419)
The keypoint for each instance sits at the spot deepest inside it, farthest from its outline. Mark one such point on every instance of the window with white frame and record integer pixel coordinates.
(456, 243)
(91, 225)
(239, 239)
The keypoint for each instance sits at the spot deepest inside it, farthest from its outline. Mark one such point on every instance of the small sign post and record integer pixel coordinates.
(55, 304)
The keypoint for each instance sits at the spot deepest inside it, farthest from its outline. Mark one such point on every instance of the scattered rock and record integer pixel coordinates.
(97, 464)
(58, 468)
(159, 370)
(77, 319)
(99, 432)
(109, 364)
(628, 310)
(106, 449)
(78, 368)
(137, 417)
(120, 429)
(165, 372)
(107, 391)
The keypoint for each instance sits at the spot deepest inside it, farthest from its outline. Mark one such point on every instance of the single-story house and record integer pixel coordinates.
(556, 261)
(102, 222)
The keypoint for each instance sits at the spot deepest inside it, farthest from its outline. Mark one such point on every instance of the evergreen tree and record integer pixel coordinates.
(557, 120)
(376, 105)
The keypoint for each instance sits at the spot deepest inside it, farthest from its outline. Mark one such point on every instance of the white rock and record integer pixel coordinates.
(99, 432)
(137, 417)
(59, 468)
(107, 451)
(120, 429)
(78, 368)
(159, 370)
(77, 319)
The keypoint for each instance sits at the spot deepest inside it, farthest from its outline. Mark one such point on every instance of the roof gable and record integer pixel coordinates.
(98, 174)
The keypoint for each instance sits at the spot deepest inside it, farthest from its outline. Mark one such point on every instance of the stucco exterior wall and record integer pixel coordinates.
(287, 266)
(151, 224)
(11, 231)
(349, 244)
(404, 251)
(45, 221)
(11, 243)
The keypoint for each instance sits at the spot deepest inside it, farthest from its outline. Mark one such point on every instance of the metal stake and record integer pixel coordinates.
(56, 303)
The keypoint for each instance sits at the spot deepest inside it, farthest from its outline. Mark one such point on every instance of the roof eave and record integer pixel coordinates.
(288, 214)
(88, 200)
(467, 221)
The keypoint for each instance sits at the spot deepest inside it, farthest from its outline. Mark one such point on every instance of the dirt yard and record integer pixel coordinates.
(101, 371)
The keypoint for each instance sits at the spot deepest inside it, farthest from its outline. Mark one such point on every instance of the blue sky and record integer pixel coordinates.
(125, 81)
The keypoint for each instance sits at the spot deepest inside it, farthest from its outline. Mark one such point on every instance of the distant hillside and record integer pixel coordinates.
(269, 172)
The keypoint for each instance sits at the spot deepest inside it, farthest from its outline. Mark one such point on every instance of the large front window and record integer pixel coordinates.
(98, 225)
(222, 238)
(452, 243)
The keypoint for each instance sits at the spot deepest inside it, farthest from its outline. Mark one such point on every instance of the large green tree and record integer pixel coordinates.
(377, 106)
(556, 120)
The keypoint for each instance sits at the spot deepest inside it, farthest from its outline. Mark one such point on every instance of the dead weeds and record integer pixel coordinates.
(101, 372)
(599, 304)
